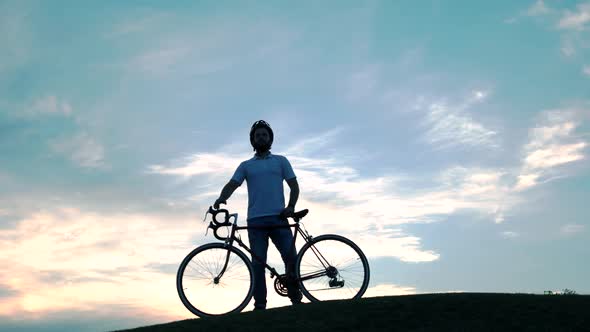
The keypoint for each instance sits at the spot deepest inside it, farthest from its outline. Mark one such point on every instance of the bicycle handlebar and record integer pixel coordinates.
(214, 213)
(216, 224)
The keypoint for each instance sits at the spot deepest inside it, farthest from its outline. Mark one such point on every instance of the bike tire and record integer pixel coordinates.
(350, 263)
(197, 289)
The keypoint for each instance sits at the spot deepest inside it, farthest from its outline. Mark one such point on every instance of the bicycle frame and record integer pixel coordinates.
(229, 242)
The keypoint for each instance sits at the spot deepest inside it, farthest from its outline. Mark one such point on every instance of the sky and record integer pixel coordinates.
(448, 139)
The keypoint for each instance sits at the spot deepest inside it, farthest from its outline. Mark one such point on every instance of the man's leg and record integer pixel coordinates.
(283, 240)
(258, 239)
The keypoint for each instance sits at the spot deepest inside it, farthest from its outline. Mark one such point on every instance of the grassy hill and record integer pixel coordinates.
(426, 312)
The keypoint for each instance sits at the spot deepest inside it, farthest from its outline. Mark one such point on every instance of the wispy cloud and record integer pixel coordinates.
(328, 186)
(203, 49)
(363, 83)
(552, 143)
(314, 144)
(510, 235)
(161, 61)
(50, 105)
(339, 196)
(510, 20)
(572, 229)
(82, 149)
(538, 9)
(144, 21)
(568, 48)
(586, 70)
(451, 125)
(555, 155)
(574, 24)
(200, 164)
(575, 20)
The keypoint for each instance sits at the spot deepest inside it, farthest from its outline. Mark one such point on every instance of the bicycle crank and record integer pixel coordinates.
(281, 285)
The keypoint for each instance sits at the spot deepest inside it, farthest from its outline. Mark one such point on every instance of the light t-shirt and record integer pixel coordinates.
(264, 177)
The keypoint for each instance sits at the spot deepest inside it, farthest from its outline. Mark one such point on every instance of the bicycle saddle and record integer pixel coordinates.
(300, 214)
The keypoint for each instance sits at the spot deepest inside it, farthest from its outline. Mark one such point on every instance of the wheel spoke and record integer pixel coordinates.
(196, 286)
(349, 266)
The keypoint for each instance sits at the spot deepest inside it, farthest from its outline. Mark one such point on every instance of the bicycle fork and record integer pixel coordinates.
(216, 279)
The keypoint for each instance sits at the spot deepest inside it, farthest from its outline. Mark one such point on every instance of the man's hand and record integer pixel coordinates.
(288, 212)
(217, 202)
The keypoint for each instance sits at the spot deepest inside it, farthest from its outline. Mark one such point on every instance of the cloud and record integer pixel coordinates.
(110, 258)
(450, 125)
(510, 235)
(555, 155)
(313, 144)
(325, 182)
(388, 290)
(571, 229)
(454, 189)
(572, 24)
(510, 20)
(586, 70)
(81, 149)
(567, 47)
(552, 143)
(201, 48)
(538, 9)
(161, 61)
(200, 164)
(6, 292)
(574, 27)
(339, 197)
(525, 181)
(50, 105)
(363, 83)
(404, 247)
(144, 21)
(575, 20)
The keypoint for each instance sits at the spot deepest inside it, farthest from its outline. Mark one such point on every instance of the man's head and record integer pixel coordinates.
(261, 136)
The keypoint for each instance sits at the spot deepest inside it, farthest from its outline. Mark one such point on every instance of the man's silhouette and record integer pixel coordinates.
(264, 174)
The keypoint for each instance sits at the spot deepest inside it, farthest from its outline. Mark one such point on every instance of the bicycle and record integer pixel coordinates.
(217, 278)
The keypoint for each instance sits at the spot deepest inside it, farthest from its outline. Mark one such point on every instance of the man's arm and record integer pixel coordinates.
(226, 193)
(294, 195)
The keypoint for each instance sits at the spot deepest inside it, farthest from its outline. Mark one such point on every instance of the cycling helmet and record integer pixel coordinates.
(261, 124)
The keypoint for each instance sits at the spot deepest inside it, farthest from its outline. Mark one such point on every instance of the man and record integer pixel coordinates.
(264, 174)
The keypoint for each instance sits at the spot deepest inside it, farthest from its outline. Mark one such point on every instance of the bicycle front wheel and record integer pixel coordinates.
(201, 288)
(332, 267)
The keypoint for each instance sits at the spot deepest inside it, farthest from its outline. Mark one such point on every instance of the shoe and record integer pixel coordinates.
(296, 299)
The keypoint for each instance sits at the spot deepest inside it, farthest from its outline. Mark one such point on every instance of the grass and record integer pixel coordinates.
(426, 312)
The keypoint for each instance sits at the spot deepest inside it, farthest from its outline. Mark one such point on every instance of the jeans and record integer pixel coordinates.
(283, 241)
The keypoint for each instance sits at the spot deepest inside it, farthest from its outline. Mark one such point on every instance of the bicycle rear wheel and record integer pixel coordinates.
(198, 288)
(332, 267)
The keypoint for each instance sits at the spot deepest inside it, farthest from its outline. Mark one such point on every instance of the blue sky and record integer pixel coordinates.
(448, 139)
